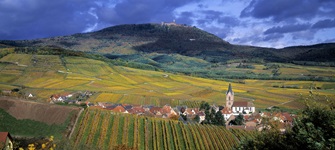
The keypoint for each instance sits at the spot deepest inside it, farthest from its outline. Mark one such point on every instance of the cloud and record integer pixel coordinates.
(141, 11)
(281, 10)
(210, 17)
(327, 23)
(329, 41)
(256, 22)
(273, 37)
(307, 35)
(229, 21)
(27, 19)
(287, 28)
(185, 18)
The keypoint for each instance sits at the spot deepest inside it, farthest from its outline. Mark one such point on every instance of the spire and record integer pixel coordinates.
(230, 89)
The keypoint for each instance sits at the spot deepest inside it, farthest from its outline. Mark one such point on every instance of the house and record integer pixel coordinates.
(168, 111)
(156, 111)
(30, 95)
(138, 110)
(226, 112)
(7, 92)
(243, 107)
(127, 106)
(119, 108)
(6, 141)
(61, 98)
(169, 23)
(201, 116)
(89, 104)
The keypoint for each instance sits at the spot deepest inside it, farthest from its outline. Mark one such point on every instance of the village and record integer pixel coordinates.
(251, 119)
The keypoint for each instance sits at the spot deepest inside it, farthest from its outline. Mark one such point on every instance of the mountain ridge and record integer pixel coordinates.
(175, 39)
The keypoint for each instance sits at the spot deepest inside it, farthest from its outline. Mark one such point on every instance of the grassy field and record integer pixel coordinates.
(44, 75)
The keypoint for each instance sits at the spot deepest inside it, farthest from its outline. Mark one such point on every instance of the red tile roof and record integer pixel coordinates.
(242, 104)
(4, 135)
(155, 110)
(226, 110)
(287, 117)
(166, 109)
(119, 109)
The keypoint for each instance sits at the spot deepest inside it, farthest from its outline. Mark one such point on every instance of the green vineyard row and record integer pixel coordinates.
(102, 129)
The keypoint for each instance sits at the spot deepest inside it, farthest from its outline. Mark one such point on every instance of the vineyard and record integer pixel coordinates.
(102, 130)
(45, 75)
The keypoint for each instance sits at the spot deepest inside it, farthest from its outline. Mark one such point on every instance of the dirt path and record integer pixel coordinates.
(75, 123)
(281, 104)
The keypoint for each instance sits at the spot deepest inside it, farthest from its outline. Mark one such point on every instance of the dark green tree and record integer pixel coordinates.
(314, 129)
(197, 118)
(239, 120)
(219, 119)
(207, 117)
(212, 116)
(204, 106)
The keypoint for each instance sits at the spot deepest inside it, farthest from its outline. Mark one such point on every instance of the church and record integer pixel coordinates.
(235, 108)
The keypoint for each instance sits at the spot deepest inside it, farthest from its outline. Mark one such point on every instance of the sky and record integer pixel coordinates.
(266, 23)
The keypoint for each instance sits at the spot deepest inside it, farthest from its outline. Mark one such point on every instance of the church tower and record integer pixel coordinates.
(229, 97)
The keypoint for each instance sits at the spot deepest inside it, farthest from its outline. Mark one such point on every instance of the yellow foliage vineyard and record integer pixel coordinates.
(134, 86)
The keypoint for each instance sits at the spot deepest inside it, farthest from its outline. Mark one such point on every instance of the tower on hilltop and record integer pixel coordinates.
(229, 97)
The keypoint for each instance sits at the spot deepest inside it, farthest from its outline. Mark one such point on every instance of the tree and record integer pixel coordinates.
(313, 129)
(204, 106)
(238, 120)
(212, 116)
(219, 119)
(197, 118)
(207, 117)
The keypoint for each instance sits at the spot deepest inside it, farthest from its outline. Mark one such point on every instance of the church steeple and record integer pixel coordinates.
(230, 89)
(229, 97)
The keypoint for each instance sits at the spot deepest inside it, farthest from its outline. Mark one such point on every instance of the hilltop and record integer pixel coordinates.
(185, 40)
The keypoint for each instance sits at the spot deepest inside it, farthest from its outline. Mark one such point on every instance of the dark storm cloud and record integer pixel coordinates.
(216, 22)
(273, 37)
(281, 10)
(229, 21)
(26, 19)
(141, 11)
(211, 16)
(327, 23)
(287, 28)
(185, 18)
(246, 39)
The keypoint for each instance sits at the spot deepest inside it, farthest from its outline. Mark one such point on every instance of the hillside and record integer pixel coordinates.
(47, 113)
(45, 75)
(39, 119)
